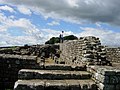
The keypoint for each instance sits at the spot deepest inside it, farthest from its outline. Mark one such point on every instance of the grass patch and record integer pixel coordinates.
(49, 60)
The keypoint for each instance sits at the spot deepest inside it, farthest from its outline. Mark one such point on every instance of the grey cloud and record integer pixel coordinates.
(106, 11)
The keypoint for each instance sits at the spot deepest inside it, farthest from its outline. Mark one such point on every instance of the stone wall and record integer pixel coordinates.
(10, 65)
(86, 49)
(71, 51)
(34, 50)
(12, 59)
(106, 77)
(113, 54)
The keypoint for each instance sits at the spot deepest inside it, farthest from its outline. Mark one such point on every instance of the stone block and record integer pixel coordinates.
(73, 84)
(114, 80)
(29, 85)
(57, 67)
(56, 85)
(86, 75)
(117, 72)
(87, 85)
(27, 74)
(109, 72)
(102, 79)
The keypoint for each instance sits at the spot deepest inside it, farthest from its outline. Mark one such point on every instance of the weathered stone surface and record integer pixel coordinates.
(29, 85)
(106, 87)
(113, 54)
(57, 67)
(34, 50)
(11, 64)
(107, 78)
(87, 85)
(52, 74)
(55, 85)
(80, 67)
(86, 49)
(73, 85)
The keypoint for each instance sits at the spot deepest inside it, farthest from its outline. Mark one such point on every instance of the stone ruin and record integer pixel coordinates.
(82, 64)
(13, 59)
(102, 62)
(86, 49)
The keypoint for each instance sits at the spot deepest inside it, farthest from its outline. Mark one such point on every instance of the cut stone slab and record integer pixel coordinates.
(55, 85)
(57, 67)
(87, 85)
(81, 67)
(29, 85)
(80, 75)
(73, 85)
(27, 74)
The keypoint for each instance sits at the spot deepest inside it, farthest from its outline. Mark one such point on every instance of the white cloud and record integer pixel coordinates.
(7, 8)
(53, 23)
(76, 11)
(7, 22)
(73, 3)
(98, 25)
(50, 33)
(107, 37)
(24, 10)
(32, 34)
(9, 40)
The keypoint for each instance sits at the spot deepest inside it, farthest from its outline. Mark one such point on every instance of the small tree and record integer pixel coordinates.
(54, 40)
(70, 37)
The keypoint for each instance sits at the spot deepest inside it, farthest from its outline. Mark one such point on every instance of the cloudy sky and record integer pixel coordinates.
(36, 21)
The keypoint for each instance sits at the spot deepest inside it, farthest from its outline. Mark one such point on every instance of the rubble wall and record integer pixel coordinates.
(86, 49)
(34, 50)
(10, 65)
(113, 54)
(106, 77)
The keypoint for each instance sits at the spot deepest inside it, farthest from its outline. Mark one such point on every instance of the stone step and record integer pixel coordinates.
(27, 74)
(80, 67)
(55, 85)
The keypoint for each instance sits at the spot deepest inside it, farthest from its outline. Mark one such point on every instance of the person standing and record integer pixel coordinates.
(61, 37)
